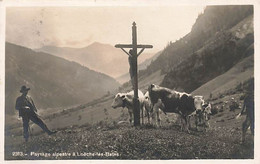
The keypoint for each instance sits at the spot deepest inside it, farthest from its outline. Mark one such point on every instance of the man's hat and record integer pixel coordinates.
(23, 88)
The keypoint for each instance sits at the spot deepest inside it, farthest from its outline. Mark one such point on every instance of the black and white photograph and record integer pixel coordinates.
(128, 81)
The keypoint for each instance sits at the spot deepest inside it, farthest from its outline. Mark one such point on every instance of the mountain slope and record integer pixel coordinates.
(54, 82)
(217, 56)
(237, 75)
(218, 41)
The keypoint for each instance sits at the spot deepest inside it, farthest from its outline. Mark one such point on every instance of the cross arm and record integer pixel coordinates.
(132, 46)
(140, 52)
(126, 52)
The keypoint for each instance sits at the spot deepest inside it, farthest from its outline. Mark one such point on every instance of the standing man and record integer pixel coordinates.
(249, 109)
(27, 110)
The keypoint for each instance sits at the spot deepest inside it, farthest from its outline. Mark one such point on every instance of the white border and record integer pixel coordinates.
(17, 3)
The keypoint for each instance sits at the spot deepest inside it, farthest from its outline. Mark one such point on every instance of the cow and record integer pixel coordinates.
(202, 117)
(148, 106)
(207, 110)
(126, 100)
(173, 102)
(198, 113)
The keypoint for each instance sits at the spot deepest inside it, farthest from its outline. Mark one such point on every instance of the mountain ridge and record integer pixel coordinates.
(98, 56)
(54, 81)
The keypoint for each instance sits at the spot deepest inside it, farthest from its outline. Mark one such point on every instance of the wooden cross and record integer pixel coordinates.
(134, 55)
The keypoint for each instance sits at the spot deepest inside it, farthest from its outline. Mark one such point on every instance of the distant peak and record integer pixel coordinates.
(96, 44)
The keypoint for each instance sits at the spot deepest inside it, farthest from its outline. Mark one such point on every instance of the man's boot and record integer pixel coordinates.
(46, 129)
(51, 132)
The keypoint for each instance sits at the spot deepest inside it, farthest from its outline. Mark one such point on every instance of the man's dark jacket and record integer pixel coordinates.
(22, 102)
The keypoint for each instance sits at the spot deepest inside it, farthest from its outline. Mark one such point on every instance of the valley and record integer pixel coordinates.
(215, 60)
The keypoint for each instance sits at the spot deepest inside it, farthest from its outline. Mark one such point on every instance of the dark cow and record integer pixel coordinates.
(173, 101)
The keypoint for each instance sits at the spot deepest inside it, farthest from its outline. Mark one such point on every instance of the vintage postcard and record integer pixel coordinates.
(119, 81)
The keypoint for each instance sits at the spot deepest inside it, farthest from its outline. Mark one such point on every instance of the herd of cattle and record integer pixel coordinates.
(159, 98)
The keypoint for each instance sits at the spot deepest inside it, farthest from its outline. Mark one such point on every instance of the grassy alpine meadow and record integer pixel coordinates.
(109, 140)
(115, 138)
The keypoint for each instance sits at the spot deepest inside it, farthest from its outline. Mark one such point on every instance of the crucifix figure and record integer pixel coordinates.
(132, 58)
(131, 68)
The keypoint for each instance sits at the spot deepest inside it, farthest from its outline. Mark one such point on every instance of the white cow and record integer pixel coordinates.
(202, 112)
(207, 113)
(148, 106)
(126, 100)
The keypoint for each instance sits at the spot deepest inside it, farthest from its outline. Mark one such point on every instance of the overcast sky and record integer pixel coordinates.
(35, 27)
